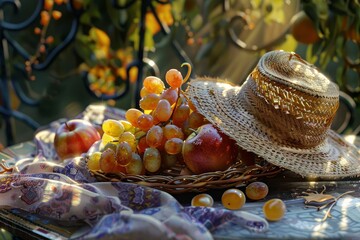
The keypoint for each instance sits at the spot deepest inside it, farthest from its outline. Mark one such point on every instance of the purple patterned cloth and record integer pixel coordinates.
(66, 192)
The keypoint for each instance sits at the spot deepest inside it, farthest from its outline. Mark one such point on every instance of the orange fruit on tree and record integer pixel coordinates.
(303, 29)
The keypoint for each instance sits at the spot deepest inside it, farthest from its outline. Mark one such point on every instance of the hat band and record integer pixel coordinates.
(274, 105)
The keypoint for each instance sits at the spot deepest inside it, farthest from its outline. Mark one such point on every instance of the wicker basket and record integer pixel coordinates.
(172, 181)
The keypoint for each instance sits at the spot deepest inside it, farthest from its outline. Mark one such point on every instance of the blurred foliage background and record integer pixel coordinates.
(221, 39)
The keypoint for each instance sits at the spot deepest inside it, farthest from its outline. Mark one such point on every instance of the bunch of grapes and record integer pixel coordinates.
(151, 138)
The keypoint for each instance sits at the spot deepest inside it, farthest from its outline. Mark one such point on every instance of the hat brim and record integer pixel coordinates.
(217, 101)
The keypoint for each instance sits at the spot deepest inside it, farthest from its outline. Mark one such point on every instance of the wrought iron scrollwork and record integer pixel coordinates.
(141, 62)
(7, 79)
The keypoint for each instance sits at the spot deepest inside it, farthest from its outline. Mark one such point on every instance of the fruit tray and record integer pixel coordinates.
(174, 181)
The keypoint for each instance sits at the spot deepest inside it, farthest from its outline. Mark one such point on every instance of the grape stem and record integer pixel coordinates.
(188, 72)
(187, 76)
(5, 169)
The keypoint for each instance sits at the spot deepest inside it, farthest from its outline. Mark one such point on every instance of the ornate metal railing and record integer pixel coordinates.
(8, 42)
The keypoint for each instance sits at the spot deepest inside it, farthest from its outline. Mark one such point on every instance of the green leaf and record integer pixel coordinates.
(149, 43)
(177, 8)
(309, 55)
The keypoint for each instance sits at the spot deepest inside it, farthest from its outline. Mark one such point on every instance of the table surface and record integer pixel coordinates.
(298, 223)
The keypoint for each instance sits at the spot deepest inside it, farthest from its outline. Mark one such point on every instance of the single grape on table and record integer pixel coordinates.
(233, 199)
(256, 190)
(274, 209)
(202, 200)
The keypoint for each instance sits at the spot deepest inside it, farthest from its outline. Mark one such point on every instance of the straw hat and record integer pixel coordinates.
(283, 113)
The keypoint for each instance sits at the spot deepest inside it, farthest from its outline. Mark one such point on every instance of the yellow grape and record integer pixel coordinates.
(128, 127)
(174, 78)
(132, 116)
(154, 136)
(256, 190)
(123, 153)
(143, 92)
(181, 113)
(202, 200)
(152, 159)
(170, 94)
(163, 111)
(233, 199)
(274, 209)
(129, 138)
(145, 122)
(94, 161)
(153, 84)
(113, 127)
(173, 131)
(135, 165)
(107, 161)
(149, 102)
(173, 146)
(106, 138)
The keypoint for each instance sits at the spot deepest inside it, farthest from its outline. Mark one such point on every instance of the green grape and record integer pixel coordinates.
(105, 139)
(107, 161)
(202, 200)
(149, 102)
(233, 199)
(173, 131)
(132, 116)
(113, 127)
(181, 113)
(123, 153)
(186, 129)
(274, 209)
(135, 165)
(256, 190)
(170, 94)
(153, 84)
(112, 145)
(94, 161)
(168, 160)
(173, 145)
(174, 78)
(145, 122)
(163, 111)
(152, 159)
(128, 127)
(154, 136)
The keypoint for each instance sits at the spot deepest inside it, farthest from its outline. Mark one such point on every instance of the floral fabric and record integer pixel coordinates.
(66, 192)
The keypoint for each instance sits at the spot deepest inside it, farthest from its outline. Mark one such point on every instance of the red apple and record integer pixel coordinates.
(208, 150)
(75, 137)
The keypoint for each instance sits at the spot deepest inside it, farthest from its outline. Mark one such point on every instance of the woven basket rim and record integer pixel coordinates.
(236, 175)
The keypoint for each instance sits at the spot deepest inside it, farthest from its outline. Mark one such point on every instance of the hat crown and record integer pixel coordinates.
(291, 98)
(290, 69)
